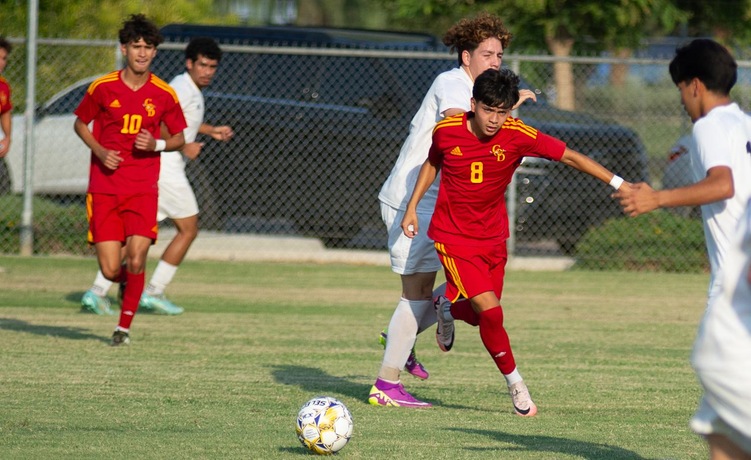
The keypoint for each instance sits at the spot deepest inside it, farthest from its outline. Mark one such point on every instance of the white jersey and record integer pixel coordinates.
(191, 101)
(722, 350)
(723, 138)
(450, 90)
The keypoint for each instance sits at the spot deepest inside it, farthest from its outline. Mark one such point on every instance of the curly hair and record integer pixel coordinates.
(137, 27)
(468, 33)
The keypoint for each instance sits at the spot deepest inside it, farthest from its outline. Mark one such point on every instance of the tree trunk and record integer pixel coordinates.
(618, 71)
(563, 72)
(320, 13)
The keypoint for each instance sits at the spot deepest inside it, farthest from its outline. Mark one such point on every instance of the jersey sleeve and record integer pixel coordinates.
(550, 147)
(713, 150)
(533, 143)
(174, 118)
(452, 94)
(88, 108)
(435, 154)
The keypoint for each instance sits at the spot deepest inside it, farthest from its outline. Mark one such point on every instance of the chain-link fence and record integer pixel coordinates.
(318, 130)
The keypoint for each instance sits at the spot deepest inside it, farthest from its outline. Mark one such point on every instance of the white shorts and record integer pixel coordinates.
(409, 255)
(176, 200)
(722, 360)
(707, 421)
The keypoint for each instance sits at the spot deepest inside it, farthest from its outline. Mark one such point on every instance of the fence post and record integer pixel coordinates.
(27, 215)
(511, 197)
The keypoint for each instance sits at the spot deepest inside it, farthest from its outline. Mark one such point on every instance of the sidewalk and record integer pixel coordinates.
(271, 248)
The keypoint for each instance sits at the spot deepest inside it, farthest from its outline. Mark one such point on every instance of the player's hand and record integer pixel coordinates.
(525, 94)
(4, 147)
(145, 141)
(192, 149)
(110, 158)
(222, 133)
(410, 226)
(636, 199)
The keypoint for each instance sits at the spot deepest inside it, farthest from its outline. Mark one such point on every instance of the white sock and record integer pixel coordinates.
(513, 377)
(428, 318)
(101, 285)
(162, 276)
(402, 332)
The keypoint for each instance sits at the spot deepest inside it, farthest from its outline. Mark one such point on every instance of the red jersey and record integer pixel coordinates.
(5, 104)
(119, 114)
(471, 205)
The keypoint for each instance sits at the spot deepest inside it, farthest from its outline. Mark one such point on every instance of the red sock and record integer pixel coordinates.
(463, 310)
(131, 297)
(495, 339)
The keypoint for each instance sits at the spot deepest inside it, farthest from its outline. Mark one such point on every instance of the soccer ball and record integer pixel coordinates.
(324, 425)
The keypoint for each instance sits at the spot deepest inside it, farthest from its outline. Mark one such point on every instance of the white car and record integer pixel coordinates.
(60, 158)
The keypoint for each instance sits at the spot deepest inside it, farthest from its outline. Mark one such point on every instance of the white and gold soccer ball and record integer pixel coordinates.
(324, 425)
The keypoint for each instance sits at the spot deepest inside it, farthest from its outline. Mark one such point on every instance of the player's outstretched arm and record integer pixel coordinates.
(716, 186)
(585, 164)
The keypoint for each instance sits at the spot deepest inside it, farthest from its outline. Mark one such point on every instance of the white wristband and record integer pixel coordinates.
(161, 144)
(616, 181)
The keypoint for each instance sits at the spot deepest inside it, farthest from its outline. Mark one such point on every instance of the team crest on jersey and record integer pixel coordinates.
(498, 152)
(149, 106)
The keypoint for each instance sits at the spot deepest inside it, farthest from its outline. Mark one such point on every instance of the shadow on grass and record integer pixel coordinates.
(318, 381)
(537, 443)
(72, 333)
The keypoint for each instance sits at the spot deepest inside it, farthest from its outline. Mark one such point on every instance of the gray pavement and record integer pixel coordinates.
(273, 248)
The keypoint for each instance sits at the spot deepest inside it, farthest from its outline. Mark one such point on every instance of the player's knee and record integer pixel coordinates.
(112, 273)
(136, 264)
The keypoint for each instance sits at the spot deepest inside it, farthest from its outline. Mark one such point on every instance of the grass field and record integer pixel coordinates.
(605, 356)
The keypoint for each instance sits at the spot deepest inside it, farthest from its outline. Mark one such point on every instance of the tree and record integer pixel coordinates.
(725, 20)
(560, 26)
(95, 19)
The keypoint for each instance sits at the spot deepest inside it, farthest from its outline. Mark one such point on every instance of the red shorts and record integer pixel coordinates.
(472, 270)
(116, 217)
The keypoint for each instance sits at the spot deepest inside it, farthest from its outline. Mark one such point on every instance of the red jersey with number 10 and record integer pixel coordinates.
(471, 205)
(119, 113)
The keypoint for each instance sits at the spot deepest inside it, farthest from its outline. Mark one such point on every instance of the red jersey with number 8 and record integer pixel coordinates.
(119, 114)
(471, 205)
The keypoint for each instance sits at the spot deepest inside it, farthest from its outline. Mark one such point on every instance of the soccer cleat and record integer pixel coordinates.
(92, 303)
(521, 399)
(158, 304)
(413, 366)
(394, 395)
(120, 338)
(444, 333)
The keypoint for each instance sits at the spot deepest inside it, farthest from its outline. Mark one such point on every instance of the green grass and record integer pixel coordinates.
(605, 356)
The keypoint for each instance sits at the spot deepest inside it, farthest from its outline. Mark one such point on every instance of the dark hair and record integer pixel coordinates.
(137, 27)
(203, 46)
(708, 61)
(467, 34)
(5, 44)
(496, 88)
